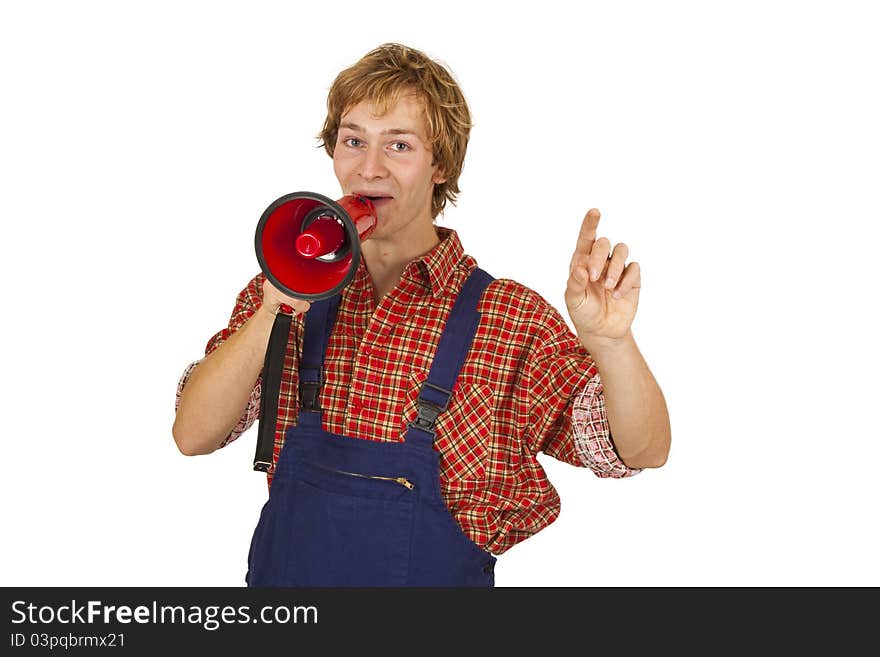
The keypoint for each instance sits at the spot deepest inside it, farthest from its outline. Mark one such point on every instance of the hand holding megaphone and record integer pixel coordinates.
(275, 301)
(309, 246)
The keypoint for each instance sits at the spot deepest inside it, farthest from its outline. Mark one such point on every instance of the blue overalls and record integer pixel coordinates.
(345, 511)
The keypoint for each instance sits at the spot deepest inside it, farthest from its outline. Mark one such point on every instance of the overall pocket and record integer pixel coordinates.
(350, 529)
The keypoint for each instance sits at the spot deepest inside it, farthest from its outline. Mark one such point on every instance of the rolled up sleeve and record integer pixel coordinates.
(250, 415)
(592, 435)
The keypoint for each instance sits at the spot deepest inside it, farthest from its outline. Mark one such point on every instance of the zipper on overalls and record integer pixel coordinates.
(403, 481)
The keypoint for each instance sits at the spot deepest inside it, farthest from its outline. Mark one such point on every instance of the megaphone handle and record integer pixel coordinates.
(273, 367)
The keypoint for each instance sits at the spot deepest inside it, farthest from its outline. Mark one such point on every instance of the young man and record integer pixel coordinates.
(417, 465)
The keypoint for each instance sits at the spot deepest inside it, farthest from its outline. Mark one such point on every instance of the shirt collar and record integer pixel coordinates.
(435, 268)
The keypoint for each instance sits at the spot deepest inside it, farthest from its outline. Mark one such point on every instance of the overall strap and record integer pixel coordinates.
(455, 343)
(318, 323)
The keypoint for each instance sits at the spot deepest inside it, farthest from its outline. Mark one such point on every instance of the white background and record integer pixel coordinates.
(733, 147)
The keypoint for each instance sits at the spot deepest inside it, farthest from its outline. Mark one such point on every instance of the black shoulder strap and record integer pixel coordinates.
(273, 367)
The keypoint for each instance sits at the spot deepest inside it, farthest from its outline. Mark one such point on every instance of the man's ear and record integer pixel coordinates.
(438, 178)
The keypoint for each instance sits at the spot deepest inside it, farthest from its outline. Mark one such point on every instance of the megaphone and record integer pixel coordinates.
(309, 246)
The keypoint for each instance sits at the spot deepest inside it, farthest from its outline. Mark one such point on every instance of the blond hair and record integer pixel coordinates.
(382, 77)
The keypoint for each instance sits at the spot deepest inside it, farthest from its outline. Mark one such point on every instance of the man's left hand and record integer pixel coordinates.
(602, 293)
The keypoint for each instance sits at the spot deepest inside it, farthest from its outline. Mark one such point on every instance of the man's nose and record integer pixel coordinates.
(373, 163)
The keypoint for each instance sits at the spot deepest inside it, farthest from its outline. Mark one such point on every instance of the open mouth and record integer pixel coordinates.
(377, 199)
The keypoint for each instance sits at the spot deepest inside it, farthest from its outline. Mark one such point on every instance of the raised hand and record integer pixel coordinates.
(602, 293)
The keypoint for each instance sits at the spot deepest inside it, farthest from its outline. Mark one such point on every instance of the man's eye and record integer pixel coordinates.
(354, 142)
(400, 146)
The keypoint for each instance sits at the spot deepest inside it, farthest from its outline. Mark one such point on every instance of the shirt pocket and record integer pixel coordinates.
(464, 430)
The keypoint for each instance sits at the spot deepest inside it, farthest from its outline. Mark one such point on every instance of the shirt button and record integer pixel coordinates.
(367, 350)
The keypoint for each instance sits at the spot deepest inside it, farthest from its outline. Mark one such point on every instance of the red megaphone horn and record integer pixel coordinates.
(310, 246)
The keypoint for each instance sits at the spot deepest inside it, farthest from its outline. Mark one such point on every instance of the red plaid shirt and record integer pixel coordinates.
(527, 386)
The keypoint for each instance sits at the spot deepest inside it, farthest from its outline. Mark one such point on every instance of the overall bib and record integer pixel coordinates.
(345, 511)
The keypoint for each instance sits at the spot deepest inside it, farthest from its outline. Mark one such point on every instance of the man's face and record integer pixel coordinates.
(387, 159)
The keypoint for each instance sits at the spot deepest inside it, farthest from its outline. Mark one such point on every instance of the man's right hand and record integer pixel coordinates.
(275, 301)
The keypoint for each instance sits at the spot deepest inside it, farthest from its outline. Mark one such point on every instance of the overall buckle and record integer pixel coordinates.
(308, 390)
(427, 412)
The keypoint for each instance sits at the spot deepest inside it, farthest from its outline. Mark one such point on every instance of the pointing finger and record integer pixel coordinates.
(587, 234)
